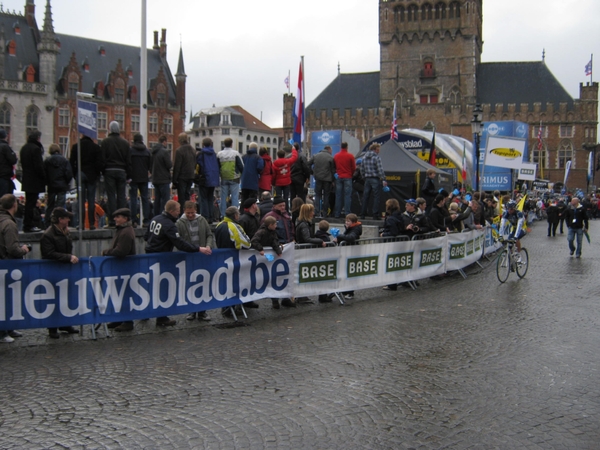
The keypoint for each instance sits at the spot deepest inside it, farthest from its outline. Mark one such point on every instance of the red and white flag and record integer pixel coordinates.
(299, 109)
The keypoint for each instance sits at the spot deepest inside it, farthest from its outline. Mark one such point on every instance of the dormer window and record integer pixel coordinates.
(225, 119)
(12, 48)
(101, 51)
(17, 28)
(428, 69)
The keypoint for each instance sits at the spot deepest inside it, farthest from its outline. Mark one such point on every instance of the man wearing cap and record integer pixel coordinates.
(10, 248)
(123, 244)
(162, 235)
(248, 219)
(323, 167)
(140, 169)
(116, 157)
(34, 177)
(56, 244)
(8, 158)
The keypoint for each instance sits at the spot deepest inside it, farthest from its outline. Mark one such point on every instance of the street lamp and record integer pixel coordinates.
(477, 128)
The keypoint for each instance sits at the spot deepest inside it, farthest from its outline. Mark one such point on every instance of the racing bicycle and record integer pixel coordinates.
(511, 260)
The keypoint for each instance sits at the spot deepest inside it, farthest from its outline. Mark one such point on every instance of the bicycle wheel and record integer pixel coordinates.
(523, 265)
(503, 266)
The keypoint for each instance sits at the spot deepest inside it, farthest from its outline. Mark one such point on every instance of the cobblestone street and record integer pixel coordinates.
(455, 364)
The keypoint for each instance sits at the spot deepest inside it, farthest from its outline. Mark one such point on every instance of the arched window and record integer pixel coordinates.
(268, 140)
(440, 11)
(248, 138)
(454, 10)
(539, 156)
(426, 12)
(428, 71)
(455, 97)
(5, 117)
(262, 139)
(153, 123)
(413, 13)
(565, 153)
(399, 14)
(31, 120)
(73, 84)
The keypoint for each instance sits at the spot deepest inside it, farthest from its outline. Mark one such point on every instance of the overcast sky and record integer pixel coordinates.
(240, 52)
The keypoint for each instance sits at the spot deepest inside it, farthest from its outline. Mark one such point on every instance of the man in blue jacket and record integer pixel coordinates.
(253, 166)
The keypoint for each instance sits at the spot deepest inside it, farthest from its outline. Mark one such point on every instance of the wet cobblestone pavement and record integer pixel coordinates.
(456, 364)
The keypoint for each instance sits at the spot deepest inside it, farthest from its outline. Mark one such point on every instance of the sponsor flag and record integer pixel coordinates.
(394, 130)
(590, 165)
(432, 155)
(539, 148)
(521, 203)
(464, 165)
(567, 169)
(588, 69)
(299, 108)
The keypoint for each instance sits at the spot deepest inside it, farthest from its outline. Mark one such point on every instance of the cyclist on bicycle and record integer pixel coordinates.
(512, 223)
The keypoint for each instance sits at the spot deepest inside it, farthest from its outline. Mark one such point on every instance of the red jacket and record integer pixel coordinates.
(282, 169)
(345, 164)
(266, 176)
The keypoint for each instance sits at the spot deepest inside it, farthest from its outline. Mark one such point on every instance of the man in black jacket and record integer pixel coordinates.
(91, 166)
(116, 157)
(161, 165)
(8, 159)
(577, 222)
(140, 168)
(161, 236)
(59, 176)
(34, 177)
(428, 191)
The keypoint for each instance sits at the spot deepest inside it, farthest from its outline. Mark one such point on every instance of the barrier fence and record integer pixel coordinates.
(41, 294)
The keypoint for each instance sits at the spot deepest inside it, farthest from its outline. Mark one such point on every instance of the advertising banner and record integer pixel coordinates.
(87, 116)
(464, 249)
(527, 172)
(504, 152)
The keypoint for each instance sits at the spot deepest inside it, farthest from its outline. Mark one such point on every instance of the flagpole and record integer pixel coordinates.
(289, 81)
(303, 136)
(592, 69)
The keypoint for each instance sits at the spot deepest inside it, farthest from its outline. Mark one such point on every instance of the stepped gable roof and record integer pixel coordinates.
(519, 82)
(101, 66)
(26, 45)
(252, 123)
(349, 90)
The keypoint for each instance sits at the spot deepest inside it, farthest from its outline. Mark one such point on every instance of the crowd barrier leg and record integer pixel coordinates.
(340, 297)
(94, 328)
(234, 315)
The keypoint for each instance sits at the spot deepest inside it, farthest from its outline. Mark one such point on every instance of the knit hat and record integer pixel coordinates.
(248, 203)
(114, 127)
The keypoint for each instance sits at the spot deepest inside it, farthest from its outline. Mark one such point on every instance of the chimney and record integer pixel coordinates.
(30, 12)
(163, 44)
(155, 46)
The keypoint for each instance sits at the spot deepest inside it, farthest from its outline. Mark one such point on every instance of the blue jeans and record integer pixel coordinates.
(229, 188)
(571, 237)
(115, 181)
(142, 188)
(343, 195)
(55, 199)
(372, 184)
(162, 194)
(322, 190)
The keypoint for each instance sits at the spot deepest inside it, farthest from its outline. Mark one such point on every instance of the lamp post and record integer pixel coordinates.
(477, 128)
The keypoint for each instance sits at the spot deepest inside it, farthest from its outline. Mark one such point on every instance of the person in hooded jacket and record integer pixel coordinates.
(393, 225)
(207, 179)
(117, 170)
(265, 181)
(58, 176)
(34, 177)
(91, 165)
(253, 167)
(140, 169)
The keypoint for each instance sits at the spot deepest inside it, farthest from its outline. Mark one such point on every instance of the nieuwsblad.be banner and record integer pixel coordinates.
(40, 294)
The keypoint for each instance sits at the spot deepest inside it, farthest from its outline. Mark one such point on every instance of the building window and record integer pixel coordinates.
(63, 117)
(566, 131)
(168, 125)
(153, 122)
(152, 144)
(426, 12)
(5, 117)
(412, 13)
(536, 129)
(248, 138)
(454, 10)
(119, 95)
(63, 143)
(160, 99)
(428, 98)
(120, 118)
(102, 120)
(31, 123)
(428, 69)
(225, 120)
(225, 131)
(540, 156)
(241, 133)
(73, 88)
(262, 140)
(135, 123)
(565, 153)
(440, 11)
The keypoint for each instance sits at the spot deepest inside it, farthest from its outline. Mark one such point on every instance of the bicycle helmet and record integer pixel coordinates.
(511, 204)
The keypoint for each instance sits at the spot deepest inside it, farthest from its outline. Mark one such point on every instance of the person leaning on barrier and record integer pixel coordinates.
(56, 244)
(393, 225)
(266, 236)
(10, 247)
(352, 233)
(194, 229)
(266, 204)
(248, 219)
(123, 244)
(305, 229)
(161, 236)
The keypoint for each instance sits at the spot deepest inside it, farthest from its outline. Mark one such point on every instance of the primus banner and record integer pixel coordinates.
(41, 294)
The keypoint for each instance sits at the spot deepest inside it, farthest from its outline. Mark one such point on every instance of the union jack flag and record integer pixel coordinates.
(539, 142)
(394, 130)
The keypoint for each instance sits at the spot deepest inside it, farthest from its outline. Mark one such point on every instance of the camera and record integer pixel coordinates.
(28, 246)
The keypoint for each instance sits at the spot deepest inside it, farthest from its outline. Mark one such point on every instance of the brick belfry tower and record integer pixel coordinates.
(429, 52)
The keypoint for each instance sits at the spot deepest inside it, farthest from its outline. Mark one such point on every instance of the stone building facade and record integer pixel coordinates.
(430, 64)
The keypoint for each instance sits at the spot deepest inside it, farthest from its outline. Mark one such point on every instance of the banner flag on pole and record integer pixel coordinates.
(588, 69)
(287, 82)
(394, 130)
(539, 148)
(299, 109)
(432, 155)
(590, 166)
(464, 165)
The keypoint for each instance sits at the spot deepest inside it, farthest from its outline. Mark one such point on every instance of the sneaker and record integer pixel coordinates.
(191, 316)
(288, 303)
(114, 324)
(125, 326)
(7, 340)
(165, 322)
(577, 256)
(572, 252)
(14, 334)
(54, 334)
(70, 330)
(390, 288)
(304, 301)
(203, 316)
(349, 296)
